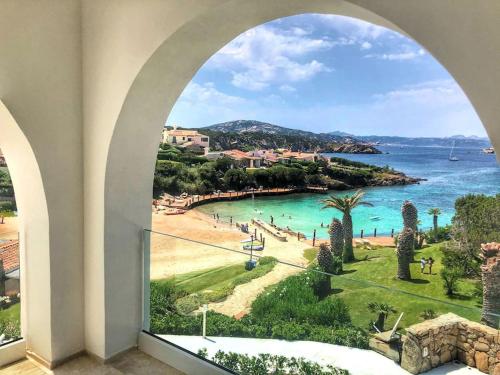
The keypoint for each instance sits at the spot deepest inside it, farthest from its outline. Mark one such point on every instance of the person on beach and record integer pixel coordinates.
(430, 262)
(422, 264)
(272, 220)
(322, 225)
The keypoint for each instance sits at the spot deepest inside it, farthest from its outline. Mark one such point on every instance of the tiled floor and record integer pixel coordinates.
(131, 363)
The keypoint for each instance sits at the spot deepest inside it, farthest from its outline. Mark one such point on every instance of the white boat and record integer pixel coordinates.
(489, 150)
(452, 157)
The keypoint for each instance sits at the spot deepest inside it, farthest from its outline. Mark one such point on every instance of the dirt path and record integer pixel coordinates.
(238, 303)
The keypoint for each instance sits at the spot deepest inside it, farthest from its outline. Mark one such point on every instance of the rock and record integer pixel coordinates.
(435, 360)
(481, 359)
(481, 347)
(411, 358)
(496, 370)
(356, 148)
(445, 356)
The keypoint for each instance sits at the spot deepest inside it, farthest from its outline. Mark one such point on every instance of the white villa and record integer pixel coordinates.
(184, 137)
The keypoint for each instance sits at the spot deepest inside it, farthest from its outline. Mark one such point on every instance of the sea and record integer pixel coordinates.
(445, 181)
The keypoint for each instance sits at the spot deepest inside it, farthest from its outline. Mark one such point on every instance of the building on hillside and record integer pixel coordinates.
(9, 267)
(245, 159)
(185, 138)
(288, 156)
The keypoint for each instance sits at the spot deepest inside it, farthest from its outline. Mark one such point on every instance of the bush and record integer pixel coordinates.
(291, 310)
(450, 278)
(442, 234)
(264, 364)
(11, 328)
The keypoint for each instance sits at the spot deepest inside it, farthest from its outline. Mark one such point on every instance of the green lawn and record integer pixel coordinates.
(379, 267)
(11, 313)
(215, 284)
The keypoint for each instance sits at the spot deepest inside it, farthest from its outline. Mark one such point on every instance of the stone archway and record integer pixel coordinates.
(129, 168)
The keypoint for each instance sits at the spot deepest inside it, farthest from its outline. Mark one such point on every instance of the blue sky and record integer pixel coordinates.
(325, 73)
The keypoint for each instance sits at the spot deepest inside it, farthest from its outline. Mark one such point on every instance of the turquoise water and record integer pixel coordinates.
(474, 173)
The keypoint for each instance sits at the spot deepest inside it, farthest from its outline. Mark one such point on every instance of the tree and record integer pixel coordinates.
(490, 254)
(450, 278)
(346, 204)
(410, 220)
(476, 221)
(382, 310)
(336, 232)
(236, 179)
(435, 212)
(404, 252)
(325, 262)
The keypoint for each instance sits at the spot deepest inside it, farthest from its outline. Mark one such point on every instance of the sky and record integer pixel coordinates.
(326, 73)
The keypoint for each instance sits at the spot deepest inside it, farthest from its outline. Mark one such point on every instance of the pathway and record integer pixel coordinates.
(239, 302)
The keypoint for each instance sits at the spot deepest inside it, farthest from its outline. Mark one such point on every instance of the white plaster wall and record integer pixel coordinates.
(90, 84)
(40, 84)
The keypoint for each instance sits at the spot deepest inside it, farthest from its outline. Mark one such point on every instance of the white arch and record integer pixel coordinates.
(133, 146)
(36, 319)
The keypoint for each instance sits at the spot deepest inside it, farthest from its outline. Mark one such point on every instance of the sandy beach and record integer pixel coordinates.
(172, 256)
(9, 229)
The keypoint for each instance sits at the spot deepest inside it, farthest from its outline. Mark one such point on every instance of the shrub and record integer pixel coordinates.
(267, 260)
(11, 328)
(442, 234)
(428, 314)
(188, 304)
(264, 364)
(450, 278)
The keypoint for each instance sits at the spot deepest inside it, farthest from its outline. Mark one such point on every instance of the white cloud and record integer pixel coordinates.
(366, 45)
(266, 55)
(408, 54)
(287, 88)
(195, 93)
(439, 93)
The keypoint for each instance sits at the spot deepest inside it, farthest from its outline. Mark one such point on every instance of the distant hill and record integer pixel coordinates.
(251, 134)
(460, 141)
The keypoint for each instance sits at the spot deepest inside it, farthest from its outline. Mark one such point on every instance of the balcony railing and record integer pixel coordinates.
(245, 302)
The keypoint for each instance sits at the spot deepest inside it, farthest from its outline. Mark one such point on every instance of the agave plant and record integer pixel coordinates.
(325, 262)
(435, 212)
(382, 310)
(346, 204)
(410, 215)
(336, 232)
(325, 258)
(404, 252)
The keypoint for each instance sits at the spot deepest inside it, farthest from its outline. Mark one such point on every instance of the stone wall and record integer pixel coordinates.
(434, 342)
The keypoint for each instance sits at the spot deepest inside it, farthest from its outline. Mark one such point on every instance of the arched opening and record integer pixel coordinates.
(26, 239)
(123, 202)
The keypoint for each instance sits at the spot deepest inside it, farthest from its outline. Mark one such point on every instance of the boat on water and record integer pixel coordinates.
(375, 218)
(489, 150)
(452, 157)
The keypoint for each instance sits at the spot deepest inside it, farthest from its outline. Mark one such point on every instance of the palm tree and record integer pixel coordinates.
(346, 204)
(435, 212)
(382, 310)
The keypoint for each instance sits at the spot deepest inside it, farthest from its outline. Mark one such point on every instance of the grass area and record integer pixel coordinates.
(11, 313)
(215, 284)
(379, 266)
